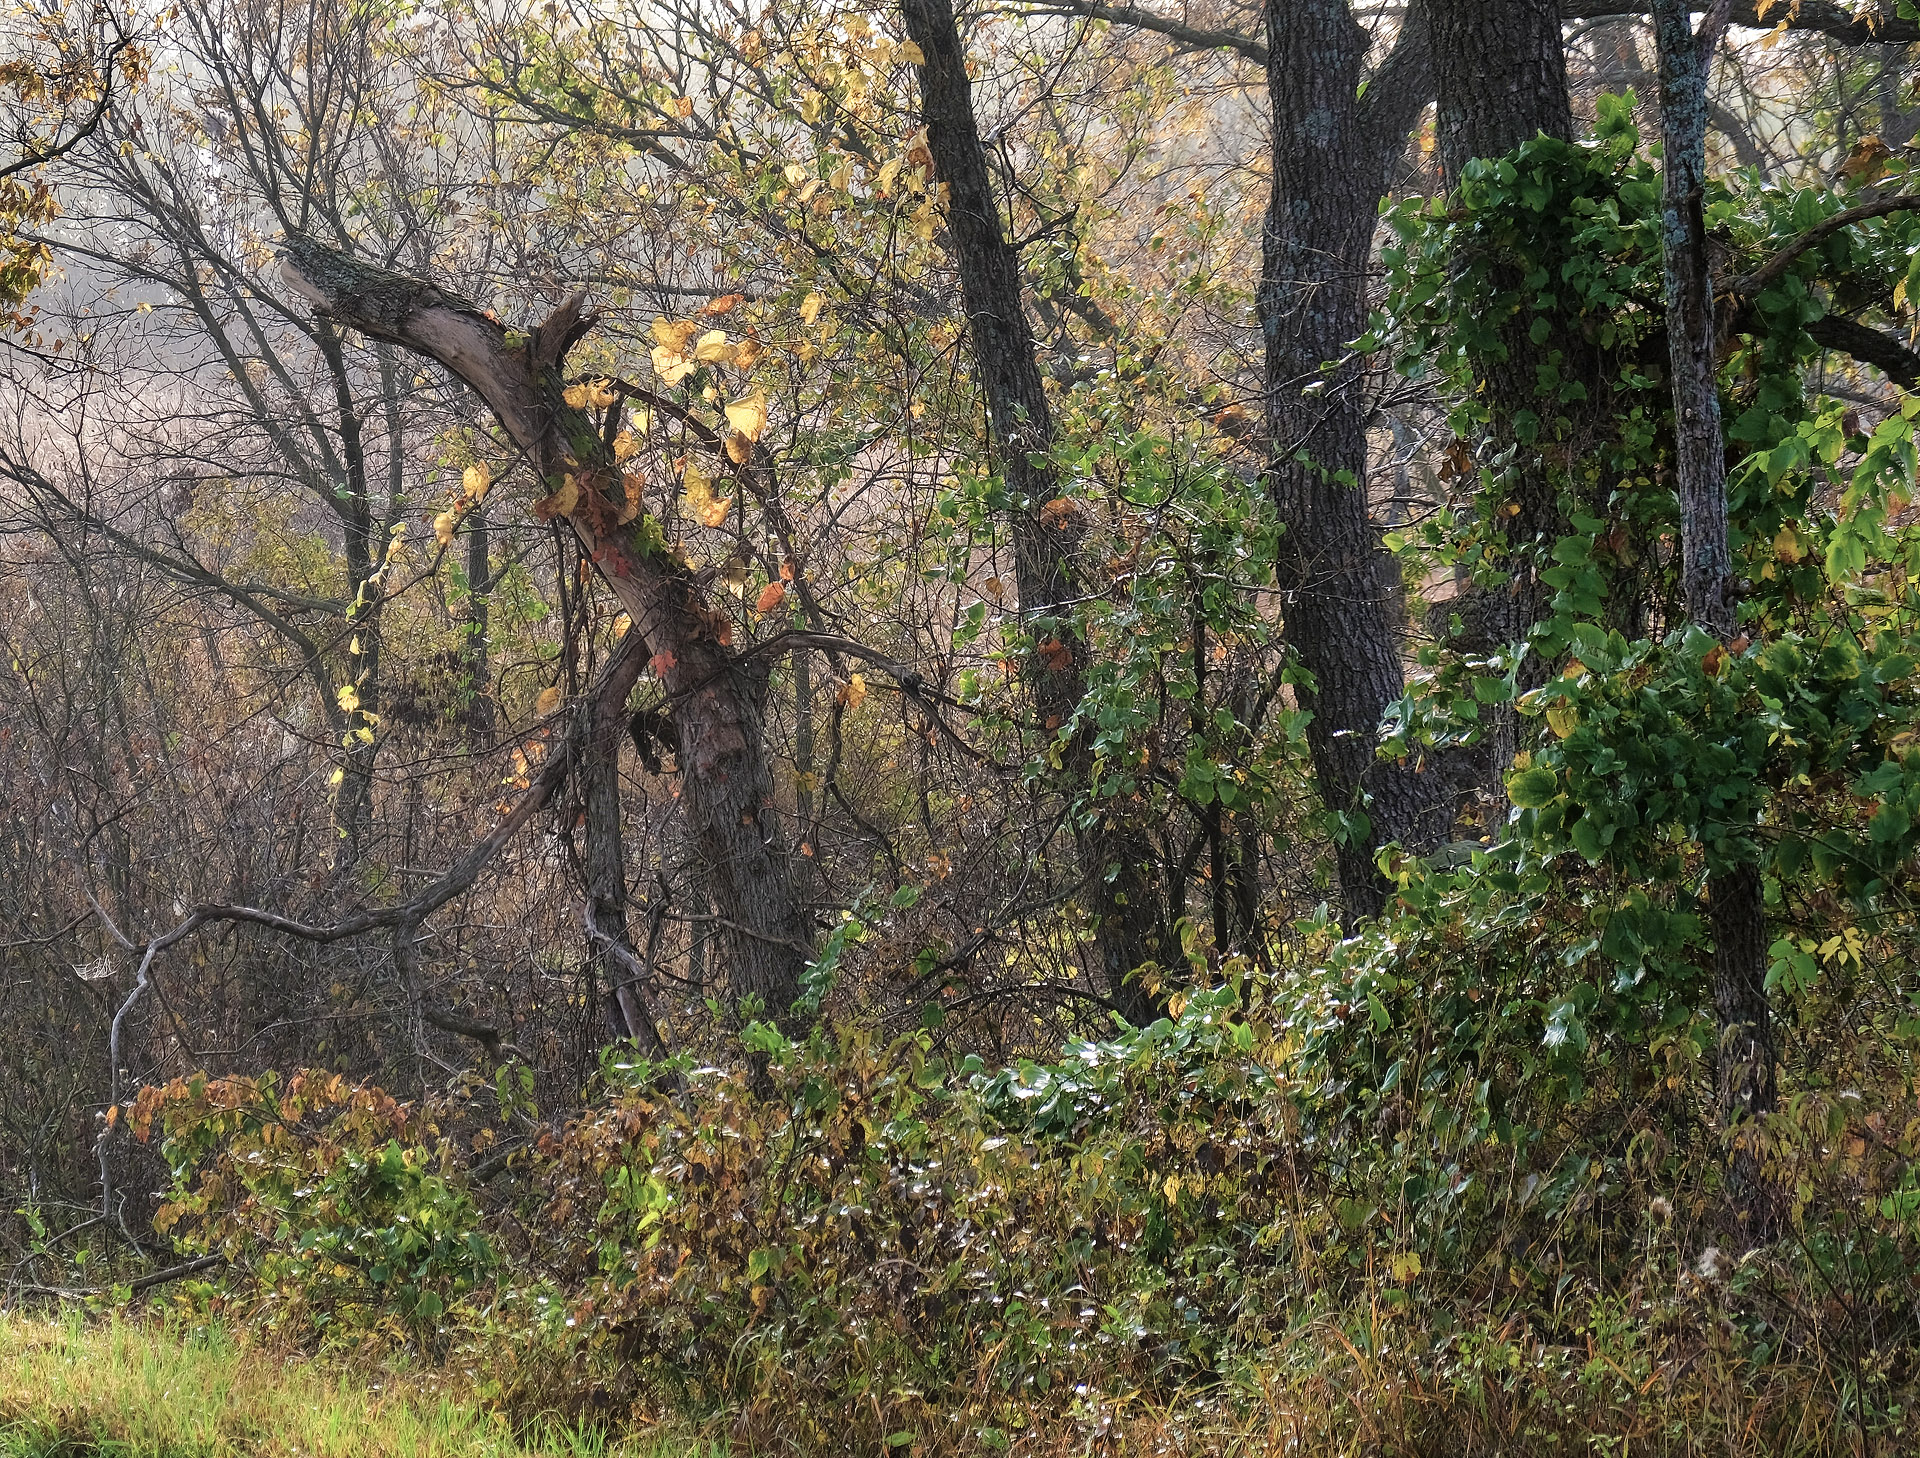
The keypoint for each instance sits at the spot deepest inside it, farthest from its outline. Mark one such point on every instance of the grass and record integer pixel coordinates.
(70, 1387)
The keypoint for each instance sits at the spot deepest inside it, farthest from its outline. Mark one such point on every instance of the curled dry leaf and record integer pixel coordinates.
(443, 526)
(630, 509)
(713, 348)
(561, 503)
(725, 304)
(475, 480)
(854, 692)
(674, 334)
(548, 701)
(771, 596)
(707, 508)
(670, 365)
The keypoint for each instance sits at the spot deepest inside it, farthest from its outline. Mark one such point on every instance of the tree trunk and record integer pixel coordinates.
(726, 786)
(1500, 79)
(1331, 152)
(1734, 892)
(1117, 861)
(615, 960)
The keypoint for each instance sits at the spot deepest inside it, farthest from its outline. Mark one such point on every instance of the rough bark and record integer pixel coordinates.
(726, 786)
(1500, 80)
(1331, 153)
(1119, 863)
(1738, 912)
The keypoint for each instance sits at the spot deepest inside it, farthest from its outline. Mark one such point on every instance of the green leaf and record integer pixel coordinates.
(1532, 788)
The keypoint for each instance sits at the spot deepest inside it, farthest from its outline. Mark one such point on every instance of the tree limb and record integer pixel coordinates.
(1193, 37)
(1777, 265)
(1821, 16)
(1871, 346)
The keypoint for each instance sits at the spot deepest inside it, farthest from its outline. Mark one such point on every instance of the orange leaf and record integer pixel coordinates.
(771, 596)
(725, 304)
(661, 664)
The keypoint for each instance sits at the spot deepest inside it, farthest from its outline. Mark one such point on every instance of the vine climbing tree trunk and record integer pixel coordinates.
(1500, 80)
(1116, 859)
(1734, 891)
(726, 785)
(1332, 150)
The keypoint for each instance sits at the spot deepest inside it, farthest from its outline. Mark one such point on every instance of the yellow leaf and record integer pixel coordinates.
(578, 396)
(349, 698)
(810, 308)
(1899, 293)
(855, 693)
(603, 394)
(911, 52)
(548, 701)
(739, 448)
(749, 416)
(443, 526)
(713, 348)
(1563, 719)
(674, 334)
(670, 365)
(624, 445)
(709, 510)
(621, 624)
(561, 503)
(475, 480)
(1786, 546)
(746, 354)
(632, 483)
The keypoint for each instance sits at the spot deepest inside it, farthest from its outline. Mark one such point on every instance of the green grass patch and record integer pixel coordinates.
(163, 1390)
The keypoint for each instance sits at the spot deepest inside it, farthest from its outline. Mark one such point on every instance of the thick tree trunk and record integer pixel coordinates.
(1117, 861)
(1500, 79)
(1738, 911)
(726, 787)
(1331, 152)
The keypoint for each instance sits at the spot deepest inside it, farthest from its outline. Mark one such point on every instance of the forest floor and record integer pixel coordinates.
(72, 1386)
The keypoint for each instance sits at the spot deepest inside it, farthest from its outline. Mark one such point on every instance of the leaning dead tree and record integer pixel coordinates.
(726, 786)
